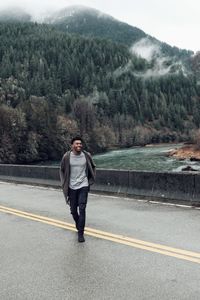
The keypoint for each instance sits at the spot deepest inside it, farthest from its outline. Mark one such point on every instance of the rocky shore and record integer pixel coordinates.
(189, 151)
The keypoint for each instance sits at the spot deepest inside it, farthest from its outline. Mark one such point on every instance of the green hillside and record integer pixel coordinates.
(54, 85)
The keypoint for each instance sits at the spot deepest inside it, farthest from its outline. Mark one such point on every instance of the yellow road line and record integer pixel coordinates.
(153, 247)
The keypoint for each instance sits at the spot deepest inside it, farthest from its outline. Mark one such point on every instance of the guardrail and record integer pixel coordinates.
(179, 187)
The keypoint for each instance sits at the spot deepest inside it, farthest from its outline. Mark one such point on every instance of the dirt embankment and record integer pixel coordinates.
(191, 152)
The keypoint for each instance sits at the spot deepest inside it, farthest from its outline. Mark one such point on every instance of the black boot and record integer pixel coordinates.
(81, 238)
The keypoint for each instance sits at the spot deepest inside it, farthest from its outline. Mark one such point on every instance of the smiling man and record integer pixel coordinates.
(77, 173)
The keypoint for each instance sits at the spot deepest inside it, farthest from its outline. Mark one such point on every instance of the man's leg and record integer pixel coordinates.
(73, 200)
(82, 202)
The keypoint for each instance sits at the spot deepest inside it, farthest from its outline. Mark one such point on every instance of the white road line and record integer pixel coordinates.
(107, 196)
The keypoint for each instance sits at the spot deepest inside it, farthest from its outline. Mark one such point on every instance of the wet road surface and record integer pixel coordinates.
(133, 250)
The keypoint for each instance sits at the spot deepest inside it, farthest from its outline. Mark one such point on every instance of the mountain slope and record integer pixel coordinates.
(54, 85)
(93, 23)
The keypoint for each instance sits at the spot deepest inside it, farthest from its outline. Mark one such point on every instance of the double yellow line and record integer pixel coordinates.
(120, 239)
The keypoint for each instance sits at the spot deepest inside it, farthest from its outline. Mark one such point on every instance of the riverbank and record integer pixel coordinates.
(189, 151)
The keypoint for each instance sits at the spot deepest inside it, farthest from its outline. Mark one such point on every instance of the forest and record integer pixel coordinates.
(54, 85)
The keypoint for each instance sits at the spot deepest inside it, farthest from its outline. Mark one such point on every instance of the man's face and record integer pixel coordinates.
(77, 146)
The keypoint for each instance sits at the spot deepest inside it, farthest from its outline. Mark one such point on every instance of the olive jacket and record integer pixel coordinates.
(65, 171)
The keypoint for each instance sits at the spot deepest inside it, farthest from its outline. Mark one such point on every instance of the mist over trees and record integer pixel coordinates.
(54, 85)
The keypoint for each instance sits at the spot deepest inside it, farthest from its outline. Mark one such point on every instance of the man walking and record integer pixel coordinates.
(77, 173)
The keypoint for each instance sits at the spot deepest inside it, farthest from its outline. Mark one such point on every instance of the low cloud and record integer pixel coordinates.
(146, 49)
(37, 9)
(159, 64)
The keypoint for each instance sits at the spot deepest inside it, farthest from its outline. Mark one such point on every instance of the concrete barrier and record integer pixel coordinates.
(166, 186)
(111, 181)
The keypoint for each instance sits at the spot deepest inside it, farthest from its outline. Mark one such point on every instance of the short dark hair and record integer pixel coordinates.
(76, 138)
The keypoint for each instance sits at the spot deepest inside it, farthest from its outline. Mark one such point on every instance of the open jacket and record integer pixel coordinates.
(65, 171)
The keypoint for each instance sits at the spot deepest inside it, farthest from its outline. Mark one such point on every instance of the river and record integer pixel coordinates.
(149, 158)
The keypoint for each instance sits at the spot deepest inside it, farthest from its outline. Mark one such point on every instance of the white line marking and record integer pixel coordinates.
(106, 196)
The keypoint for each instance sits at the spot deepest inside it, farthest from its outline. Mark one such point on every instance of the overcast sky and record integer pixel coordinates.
(176, 22)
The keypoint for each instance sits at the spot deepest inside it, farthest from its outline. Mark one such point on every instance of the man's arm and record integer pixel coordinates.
(63, 176)
(93, 166)
(62, 171)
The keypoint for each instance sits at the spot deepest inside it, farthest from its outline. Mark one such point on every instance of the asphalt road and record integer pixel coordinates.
(133, 250)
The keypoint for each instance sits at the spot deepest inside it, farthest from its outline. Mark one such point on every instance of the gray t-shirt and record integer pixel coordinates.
(78, 178)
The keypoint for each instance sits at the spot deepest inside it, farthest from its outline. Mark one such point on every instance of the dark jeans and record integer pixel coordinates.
(78, 201)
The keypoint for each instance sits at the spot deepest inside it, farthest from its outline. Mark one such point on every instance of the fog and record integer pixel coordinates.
(149, 50)
(37, 9)
(160, 65)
